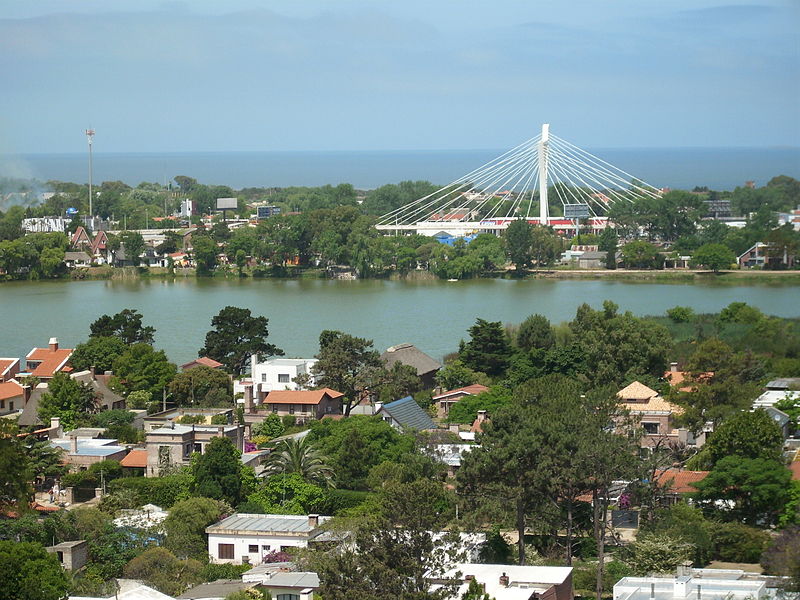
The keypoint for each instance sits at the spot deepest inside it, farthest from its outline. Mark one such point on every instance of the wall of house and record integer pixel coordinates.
(241, 546)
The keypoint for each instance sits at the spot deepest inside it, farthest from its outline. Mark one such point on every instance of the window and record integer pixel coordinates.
(265, 548)
(275, 408)
(288, 597)
(198, 448)
(650, 428)
(283, 378)
(187, 451)
(252, 548)
(291, 409)
(263, 377)
(226, 551)
(2, 404)
(11, 405)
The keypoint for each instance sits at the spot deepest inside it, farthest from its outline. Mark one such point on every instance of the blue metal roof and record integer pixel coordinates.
(409, 414)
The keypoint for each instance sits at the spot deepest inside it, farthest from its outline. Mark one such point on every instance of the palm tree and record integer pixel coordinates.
(300, 456)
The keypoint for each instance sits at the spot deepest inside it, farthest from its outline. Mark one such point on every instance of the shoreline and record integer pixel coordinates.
(678, 276)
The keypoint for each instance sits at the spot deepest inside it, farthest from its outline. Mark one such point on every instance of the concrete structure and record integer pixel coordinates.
(83, 452)
(445, 400)
(146, 517)
(244, 537)
(702, 584)
(72, 555)
(772, 397)
(512, 582)
(167, 417)
(655, 415)
(171, 446)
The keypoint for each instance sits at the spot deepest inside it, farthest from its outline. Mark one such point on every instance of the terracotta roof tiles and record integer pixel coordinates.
(300, 396)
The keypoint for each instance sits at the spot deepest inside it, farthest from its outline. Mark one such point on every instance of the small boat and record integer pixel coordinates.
(452, 280)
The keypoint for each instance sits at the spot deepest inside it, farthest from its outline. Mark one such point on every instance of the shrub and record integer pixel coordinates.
(161, 491)
(681, 314)
(735, 542)
(288, 421)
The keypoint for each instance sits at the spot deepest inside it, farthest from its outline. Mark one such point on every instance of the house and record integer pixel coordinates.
(107, 399)
(172, 446)
(203, 361)
(450, 455)
(298, 585)
(80, 239)
(406, 415)
(13, 394)
(276, 374)
(304, 404)
(675, 483)
(76, 259)
(772, 397)
(246, 538)
(781, 419)
(511, 582)
(409, 354)
(135, 463)
(43, 363)
(655, 415)
(700, 584)
(444, 401)
(781, 384)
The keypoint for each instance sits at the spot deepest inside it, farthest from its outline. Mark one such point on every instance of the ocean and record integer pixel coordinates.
(677, 168)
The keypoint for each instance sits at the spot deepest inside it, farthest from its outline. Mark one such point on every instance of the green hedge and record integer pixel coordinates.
(161, 491)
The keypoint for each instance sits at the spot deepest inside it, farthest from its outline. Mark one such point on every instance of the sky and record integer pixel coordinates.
(297, 75)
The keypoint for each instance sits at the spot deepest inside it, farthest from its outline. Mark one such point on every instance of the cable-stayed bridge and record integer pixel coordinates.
(541, 175)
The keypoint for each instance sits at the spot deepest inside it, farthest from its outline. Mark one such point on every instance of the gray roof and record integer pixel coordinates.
(89, 446)
(300, 580)
(77, 255)
(252, 523)
(409, 354)
(408, 414)
(30, 414)
(216, 589)
(780, 417)
(784, 383)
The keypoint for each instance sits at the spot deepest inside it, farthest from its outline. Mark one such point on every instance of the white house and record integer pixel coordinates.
(275, 374)
(511, 582)
(244, 537)
(702, 584)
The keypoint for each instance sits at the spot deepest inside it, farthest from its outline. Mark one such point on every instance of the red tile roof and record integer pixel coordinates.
(135, 458)
(203, 361)
(6, 364)
(10, 389)
(300, 396)
(50, 361)
(470, 390)
(680, 482)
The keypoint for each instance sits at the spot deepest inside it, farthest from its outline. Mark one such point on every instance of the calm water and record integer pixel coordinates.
(682, 168)
(432, 315)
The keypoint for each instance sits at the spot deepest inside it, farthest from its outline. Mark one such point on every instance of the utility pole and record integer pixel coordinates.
(89, 138)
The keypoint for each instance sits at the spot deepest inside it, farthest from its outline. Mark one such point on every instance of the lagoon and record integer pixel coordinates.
(434, 315)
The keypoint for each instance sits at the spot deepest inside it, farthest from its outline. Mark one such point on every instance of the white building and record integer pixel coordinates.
(275, 374)
(244, 537)
(512, 582)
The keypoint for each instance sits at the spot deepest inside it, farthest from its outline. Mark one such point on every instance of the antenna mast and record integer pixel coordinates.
(89, 138)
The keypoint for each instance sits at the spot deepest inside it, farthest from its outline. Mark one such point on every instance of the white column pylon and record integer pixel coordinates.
(544, 209)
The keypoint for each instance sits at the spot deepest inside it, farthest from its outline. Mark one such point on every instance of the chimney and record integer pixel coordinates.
(652, 591)
(469, 577)
(313, 520)
(378, 406)
(55, 425)
(53, 344)
(93, 371)
(26, 394)
(221, 431)
(673, 367)
(73, 444)
(481, 419)
(504, 580)
(454, 429)
(248, 398)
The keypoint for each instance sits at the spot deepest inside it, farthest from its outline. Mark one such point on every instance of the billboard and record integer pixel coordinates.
(72, 211)
(227, 203)
(265, 212)
(576, 211)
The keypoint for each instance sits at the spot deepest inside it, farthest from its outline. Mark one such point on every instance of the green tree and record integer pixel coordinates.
(205, 252)
(658, 554)
(300, 456)
(15, 470)
(608, 244)
(746, 435)
(138, 400)
(68, 399)
(546, 246)
(519, 239)
(347, 364)
(141, 367)
(126, 325)
(164, 571)
(191, 388)
(455, 375)
(783, 558)
(97, 352)
(237, 335)
(713, 256)
(757, 489)
(185, 526)
(217, 472)
(133, 243)
(288, 494)
(535, 332)
(641, 255)
(488, 349)
(29, 572)
(271, 426)
(466, 410)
